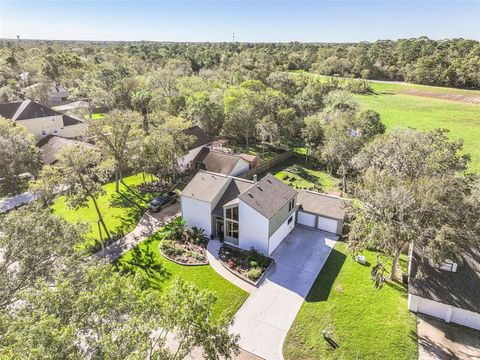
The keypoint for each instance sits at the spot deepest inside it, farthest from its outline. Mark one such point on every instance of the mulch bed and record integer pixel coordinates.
(241, 261)
(190, 254)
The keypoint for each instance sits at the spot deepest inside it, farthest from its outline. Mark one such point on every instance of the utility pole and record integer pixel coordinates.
(233, 37)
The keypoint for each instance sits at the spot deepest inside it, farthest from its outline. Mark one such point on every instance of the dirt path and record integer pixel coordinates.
(464, 98)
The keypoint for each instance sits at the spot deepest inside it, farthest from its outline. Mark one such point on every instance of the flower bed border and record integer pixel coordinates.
(181, 263)
(240, 276)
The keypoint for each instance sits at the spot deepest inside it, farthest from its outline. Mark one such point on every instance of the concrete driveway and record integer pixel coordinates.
(266, 316)
(438, 340)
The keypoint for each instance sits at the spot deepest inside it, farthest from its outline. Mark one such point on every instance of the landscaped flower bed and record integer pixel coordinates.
(248, 264)
(184, 246)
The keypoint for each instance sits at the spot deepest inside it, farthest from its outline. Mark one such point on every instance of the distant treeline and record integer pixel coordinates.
(454, 63)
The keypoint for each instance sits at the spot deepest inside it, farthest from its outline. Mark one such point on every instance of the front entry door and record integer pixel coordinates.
(219, 229)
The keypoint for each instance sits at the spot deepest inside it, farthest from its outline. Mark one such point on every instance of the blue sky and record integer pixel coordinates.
(264, 20)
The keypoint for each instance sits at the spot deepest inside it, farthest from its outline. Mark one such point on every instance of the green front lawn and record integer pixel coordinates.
(146, 258)
(366, 323)
(121, 211)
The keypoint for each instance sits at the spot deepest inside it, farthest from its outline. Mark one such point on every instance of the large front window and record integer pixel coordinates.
(231, 222)
(231, 229)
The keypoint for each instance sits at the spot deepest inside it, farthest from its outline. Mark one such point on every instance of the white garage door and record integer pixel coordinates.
(326, 224)
(306, 219)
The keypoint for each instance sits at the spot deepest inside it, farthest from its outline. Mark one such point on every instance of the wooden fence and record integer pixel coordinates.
(267, 165)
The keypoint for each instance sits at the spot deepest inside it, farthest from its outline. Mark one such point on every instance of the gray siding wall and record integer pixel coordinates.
(279, 218)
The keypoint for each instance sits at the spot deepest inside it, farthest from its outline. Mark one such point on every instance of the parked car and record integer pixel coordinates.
(157, 203)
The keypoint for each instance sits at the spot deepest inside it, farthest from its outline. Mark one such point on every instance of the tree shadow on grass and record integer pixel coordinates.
(397, 285)
(143, 258)
(324, 281)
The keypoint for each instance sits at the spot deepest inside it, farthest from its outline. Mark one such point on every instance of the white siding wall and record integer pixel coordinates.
(327, 224)
(197, 213)
(278, 236)
(50, 124)
(72, 131)
(241, 167)
(306, 218)
(253, 229)
(443, 311)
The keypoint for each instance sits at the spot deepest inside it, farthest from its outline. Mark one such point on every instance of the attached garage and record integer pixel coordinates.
(304, 218)
(329, 225)
(320, 211)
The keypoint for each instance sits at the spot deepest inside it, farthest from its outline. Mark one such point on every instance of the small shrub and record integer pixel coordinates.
(254, 273)
(285, 177)
(170, 248)
(253, 264)
(198, 235)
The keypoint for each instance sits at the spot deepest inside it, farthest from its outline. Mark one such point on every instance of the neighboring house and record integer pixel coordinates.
(202, 139)
(252, 214)
(449, 291)
(51, 146)
(57, 93)
(220, 162)
(42, 121)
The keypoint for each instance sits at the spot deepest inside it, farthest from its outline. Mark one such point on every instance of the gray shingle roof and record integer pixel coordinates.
(460, 289)
(230, 196)
(205, 186)
(55, 144)
(321, 204)
(268, 195)
(29, 109)
(217, 161)
(201, 137)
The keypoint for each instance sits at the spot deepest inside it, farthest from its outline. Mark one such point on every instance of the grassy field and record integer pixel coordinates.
(146, 257)
(426, 108)
(400, 109)
(366, 323)
(121, 211)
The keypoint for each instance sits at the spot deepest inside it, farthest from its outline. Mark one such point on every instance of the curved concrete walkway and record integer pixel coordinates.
(148, 225)
(212, 255)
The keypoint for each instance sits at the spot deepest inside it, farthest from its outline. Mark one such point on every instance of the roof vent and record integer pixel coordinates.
(449, 265)
(259, 188)
(250, 195)
(269, 181)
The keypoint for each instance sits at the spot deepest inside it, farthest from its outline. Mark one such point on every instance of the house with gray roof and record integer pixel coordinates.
(220, 162)
(42, 121)
(255, 214)
(449, 291)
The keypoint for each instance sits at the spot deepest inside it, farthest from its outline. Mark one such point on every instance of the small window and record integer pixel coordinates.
(229, 213)
(291, 205)
(44, 132)
(290, 220)
(55, 131)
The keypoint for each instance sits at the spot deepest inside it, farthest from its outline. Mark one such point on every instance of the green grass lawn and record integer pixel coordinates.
(146, 257)
(121, 211)
(95, 116)
(366, 323)
(400, 105)
(303, 176)
(402, 110)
